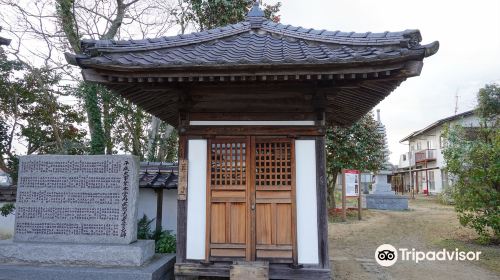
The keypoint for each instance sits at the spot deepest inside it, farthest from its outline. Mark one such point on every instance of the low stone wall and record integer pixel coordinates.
(386, 202)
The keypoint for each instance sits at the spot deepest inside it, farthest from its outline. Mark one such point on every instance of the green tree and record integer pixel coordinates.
(359, 146)
(50, 126)
(12, 95)
(472, 158)
(33, 115)
(208, 14)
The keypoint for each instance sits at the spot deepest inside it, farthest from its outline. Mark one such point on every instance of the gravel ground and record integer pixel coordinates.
(426, 226)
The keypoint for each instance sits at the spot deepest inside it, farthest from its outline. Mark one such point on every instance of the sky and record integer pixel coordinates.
(468, 58)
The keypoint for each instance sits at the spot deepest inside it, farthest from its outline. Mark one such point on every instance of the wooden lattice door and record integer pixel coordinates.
(251, 199)
(228, 199)
(275, 234)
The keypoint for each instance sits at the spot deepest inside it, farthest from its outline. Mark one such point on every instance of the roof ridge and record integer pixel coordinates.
(438, 122)
(91, 46)
(410, 37)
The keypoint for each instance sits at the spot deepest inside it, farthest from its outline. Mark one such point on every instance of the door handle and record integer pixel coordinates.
(253, 206)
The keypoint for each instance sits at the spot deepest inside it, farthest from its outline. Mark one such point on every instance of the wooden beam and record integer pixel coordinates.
(242, 116)
(276, 271)
(257, 70)
(253, 130)
(159, 208)
(249, 270)
(182, 210)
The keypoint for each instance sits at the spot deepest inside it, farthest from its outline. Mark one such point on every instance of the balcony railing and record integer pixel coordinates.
(425, 155)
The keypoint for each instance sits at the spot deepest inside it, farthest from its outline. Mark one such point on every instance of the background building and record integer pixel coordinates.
(425, 158)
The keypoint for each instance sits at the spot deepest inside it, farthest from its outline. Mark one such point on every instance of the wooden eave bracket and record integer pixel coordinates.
(412, 68)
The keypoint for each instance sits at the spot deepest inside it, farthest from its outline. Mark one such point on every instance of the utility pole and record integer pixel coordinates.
(456, 101)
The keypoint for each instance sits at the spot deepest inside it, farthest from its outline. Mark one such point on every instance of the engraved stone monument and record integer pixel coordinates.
(77, 199)
(76, 210)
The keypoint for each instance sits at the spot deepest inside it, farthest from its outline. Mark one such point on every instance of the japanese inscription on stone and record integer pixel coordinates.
(81, 199)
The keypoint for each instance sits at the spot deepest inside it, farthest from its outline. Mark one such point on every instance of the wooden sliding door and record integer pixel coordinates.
(251, 199)
(275, 200)
(228, 197)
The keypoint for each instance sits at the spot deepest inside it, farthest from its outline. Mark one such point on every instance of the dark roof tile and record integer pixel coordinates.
(252, 48)
(158, 175)
(242, 43)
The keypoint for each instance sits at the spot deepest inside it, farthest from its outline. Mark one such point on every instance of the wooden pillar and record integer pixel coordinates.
(321, 193)
(159, 208)
(426, 178)
(416, 182)
(344, 199)
(359, 196)
(182, 210)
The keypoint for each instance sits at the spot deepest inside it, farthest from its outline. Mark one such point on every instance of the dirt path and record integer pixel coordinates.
(352, 244)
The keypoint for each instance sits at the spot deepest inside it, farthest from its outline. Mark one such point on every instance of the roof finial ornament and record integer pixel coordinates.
(256, 15)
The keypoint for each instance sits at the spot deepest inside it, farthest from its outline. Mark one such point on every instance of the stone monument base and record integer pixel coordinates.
(386, 202)
(161, 266)
(134, 254)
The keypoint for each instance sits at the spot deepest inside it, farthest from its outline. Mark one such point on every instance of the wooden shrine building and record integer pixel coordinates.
(251, 102)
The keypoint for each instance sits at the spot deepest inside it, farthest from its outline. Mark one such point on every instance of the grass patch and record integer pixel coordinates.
(351, 215)
(490, 254)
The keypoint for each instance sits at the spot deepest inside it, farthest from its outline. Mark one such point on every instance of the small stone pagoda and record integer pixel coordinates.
(251, 102)
(382, 196)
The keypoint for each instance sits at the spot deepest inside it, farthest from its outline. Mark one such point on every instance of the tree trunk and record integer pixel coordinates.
(151, 151)
(94, 119)
(137, 132)
(107, 120)
(163, 149)
(332, 180)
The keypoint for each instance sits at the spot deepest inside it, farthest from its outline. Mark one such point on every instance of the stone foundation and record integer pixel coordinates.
(160, 267)
(134, 254)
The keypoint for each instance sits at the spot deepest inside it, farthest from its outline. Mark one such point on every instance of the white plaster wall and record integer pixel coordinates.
(469, 121)
(438, 181)
(147, 205)
(6, 224)
(196, 204)
(169, 213)
(307, 225)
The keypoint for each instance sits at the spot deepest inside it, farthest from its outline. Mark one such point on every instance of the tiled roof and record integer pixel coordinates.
(158, 175)
(437, 123)
(355, 71)
(255, 41)
(4, 41)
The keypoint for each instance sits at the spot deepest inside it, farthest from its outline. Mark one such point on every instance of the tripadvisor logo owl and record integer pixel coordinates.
(387, 255)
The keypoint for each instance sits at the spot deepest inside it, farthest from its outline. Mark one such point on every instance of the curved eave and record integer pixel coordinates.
(331, 65)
